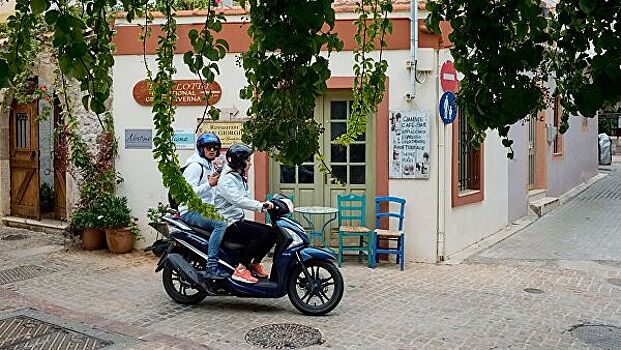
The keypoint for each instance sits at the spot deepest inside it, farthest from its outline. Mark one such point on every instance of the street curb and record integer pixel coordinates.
(490, 240)
(579, 188)
(518, 225)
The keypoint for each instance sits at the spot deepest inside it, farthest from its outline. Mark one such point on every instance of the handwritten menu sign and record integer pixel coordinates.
(409, 145)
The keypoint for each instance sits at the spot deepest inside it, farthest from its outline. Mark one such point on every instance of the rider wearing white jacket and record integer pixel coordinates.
(232, 197)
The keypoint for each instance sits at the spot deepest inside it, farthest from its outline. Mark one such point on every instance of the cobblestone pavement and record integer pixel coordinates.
(480, 304)
(588, 227)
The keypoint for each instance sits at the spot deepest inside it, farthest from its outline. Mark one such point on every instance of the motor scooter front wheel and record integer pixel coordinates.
(320, 293)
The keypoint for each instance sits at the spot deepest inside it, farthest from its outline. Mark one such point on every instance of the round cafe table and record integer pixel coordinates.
(317, 211)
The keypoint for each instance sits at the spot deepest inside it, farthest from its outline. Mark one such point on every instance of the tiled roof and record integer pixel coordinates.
(341, 6)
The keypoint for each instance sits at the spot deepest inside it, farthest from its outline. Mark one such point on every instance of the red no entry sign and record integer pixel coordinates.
(448, 77)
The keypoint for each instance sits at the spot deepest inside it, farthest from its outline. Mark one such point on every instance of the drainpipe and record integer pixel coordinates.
(441, 223)
(411, 65)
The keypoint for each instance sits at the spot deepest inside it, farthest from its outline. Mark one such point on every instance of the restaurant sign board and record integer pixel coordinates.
(187, 93)
(229, 132)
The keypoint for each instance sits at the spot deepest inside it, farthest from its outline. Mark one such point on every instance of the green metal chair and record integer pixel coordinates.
(351, 210)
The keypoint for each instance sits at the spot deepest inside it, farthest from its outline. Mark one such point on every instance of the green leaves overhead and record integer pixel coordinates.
(587, 56)
(508, 49)
(370, 75)
(500, 49)
(286, 74)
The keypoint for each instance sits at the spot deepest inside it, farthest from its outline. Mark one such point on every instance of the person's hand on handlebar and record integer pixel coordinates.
(268, 205)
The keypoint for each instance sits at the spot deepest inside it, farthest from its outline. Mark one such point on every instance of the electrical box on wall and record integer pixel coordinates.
(425, 58)
(552, 131)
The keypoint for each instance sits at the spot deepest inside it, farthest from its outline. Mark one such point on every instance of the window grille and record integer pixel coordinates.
(468, 158)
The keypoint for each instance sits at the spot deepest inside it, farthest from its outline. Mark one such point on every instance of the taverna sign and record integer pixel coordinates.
(187, 93)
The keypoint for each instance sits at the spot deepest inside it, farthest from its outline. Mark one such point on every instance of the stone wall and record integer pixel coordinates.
(90, 127)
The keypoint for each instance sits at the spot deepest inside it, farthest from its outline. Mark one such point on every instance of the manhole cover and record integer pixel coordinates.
(283, 336)
(23, 332)
(533, 290)
(602, 336)
(13, 237)
(614, 281)
(21, 273)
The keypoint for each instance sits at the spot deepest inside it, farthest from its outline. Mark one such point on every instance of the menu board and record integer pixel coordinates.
(409, 144)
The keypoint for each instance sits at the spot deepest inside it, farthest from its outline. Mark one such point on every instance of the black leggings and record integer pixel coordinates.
(257, 239)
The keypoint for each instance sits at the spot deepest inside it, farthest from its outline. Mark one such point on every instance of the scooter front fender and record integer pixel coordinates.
(309, 253)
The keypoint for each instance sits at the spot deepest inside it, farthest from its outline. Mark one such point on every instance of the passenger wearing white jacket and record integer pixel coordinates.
(203, 174)
(231, 198)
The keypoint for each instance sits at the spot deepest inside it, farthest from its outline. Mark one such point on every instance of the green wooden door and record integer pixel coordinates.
(354, 164)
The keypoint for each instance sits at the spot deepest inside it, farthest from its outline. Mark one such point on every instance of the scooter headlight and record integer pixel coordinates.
(297, 240)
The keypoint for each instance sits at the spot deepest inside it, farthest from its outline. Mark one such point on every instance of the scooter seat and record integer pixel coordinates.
(232, 245)
(200, 230)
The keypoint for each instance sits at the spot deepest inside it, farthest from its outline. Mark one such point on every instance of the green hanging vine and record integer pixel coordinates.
(370, 75)
(207, 48)
(285, 74)
(163, 107)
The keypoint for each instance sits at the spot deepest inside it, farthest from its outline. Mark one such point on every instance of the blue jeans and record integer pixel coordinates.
(218, 227)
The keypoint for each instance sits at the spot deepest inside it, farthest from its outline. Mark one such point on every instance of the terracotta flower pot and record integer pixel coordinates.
(93, 239)
(120, 240)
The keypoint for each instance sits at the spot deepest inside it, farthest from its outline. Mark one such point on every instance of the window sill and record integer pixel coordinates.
(465, 193)
(557, 155)
(467, 197)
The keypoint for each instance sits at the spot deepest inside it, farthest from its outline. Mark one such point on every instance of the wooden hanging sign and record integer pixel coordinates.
(187, 93)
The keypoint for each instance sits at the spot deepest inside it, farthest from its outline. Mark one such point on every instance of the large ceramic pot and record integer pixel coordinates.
(120, 240)
(93, 239)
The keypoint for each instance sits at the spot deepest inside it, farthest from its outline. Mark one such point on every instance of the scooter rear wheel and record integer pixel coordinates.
(322, 293)
(180, 290)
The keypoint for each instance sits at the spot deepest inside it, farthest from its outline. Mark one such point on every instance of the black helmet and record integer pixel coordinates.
(206, 139)
(237, 154)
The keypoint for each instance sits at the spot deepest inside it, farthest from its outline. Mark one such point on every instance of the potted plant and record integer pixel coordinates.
(160, 245)
(88, 221)
(121, 229)
(155, 217)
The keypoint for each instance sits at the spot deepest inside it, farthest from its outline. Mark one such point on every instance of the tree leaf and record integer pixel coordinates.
(39, 6)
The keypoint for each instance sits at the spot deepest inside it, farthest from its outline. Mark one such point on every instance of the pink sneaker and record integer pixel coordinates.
(258, 270)
(242, 274)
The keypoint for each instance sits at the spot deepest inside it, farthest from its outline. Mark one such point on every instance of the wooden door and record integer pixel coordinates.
(61, 148)
(354, 164)
(24, 160)
(532, 149)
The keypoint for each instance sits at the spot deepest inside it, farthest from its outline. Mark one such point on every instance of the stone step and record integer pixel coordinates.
(43, 225)
(544, 205)
(535, 195)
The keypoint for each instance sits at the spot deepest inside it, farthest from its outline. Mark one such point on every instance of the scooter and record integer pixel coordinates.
(308, 275)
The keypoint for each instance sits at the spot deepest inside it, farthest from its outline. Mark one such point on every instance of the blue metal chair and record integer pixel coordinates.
(351, 210)
(390, 236)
